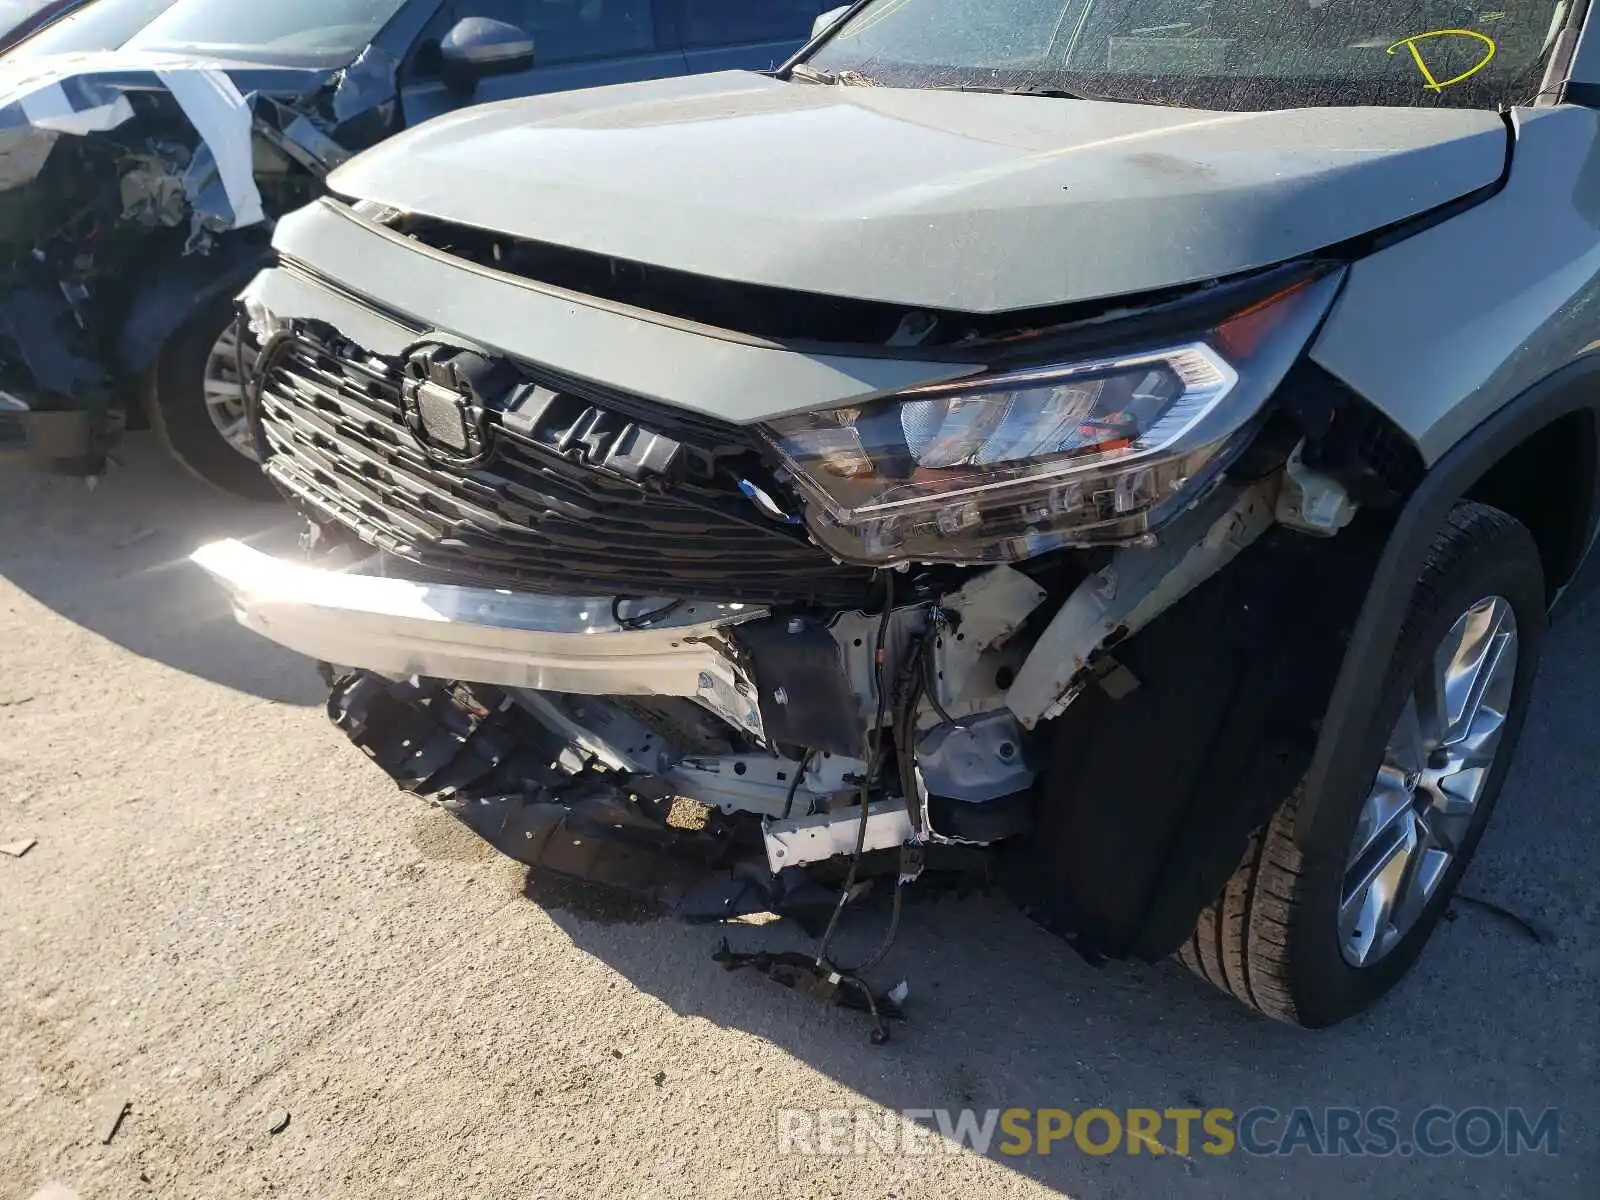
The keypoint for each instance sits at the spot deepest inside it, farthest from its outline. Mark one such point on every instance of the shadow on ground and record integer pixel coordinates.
(1003, 1015)
(114, 559)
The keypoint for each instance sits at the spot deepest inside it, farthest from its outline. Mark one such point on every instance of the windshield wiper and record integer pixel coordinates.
(812, 74)
(1052, 93)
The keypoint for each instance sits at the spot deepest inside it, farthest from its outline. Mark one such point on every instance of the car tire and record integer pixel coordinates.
(181, 411)
(1293, 935)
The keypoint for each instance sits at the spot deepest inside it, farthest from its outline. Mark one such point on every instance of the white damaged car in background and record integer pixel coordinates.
(144, 154)
(749, 489)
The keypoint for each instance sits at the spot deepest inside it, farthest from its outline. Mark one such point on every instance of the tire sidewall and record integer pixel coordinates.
(1328, 987)
(178, 411)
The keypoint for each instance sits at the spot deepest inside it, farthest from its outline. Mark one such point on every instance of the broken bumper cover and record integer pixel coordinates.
(511, 639)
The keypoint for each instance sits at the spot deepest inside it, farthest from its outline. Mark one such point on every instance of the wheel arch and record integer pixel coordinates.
(1547, 482)
(1507, 461)
(168, 299)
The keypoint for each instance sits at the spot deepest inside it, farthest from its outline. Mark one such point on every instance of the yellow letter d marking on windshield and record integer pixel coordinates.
(1439, 85)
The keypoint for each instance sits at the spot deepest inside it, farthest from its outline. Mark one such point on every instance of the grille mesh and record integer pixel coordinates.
(531, 515)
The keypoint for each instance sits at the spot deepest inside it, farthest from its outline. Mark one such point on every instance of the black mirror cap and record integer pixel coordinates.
(477, 47)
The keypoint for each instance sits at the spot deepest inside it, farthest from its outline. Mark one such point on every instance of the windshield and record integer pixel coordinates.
(1222, 54)
(297, 33)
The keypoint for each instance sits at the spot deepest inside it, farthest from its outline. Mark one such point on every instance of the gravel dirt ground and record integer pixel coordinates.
(230, 921)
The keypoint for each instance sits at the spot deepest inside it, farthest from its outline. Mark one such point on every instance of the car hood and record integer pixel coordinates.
(940, 199)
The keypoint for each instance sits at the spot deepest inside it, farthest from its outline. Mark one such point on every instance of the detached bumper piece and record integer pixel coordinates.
(479, 756)
(477, 753)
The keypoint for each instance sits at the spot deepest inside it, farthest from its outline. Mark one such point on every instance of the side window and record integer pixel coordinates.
(568, 30)
(731, 22)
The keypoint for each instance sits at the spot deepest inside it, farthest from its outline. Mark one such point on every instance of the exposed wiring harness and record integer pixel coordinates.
(897, 702)
(851, 976)
(940, 621)
(874, 761)
(642, 620)
(794, 784)
(921, 682)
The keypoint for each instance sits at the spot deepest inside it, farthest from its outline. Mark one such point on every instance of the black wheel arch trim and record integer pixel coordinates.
(1573, 388)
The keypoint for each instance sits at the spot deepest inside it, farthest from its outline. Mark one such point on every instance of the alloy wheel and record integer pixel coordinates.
(1439, 757)
(224, 390)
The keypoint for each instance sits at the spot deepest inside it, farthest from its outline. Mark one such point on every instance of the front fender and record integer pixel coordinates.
(1573, 388)
(169, 298)
(1443, 328)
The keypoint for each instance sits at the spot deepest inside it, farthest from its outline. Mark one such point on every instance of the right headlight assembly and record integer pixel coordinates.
(1091, 451)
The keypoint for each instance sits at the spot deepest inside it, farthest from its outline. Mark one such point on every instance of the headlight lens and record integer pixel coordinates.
(1096, 451)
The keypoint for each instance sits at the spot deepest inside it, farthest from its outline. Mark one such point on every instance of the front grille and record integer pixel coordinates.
(537, 512)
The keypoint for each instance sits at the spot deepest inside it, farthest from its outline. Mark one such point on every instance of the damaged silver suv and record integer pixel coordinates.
(1123, 452)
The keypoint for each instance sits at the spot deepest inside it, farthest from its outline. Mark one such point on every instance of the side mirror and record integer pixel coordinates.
(477, 47)
(828, 20)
